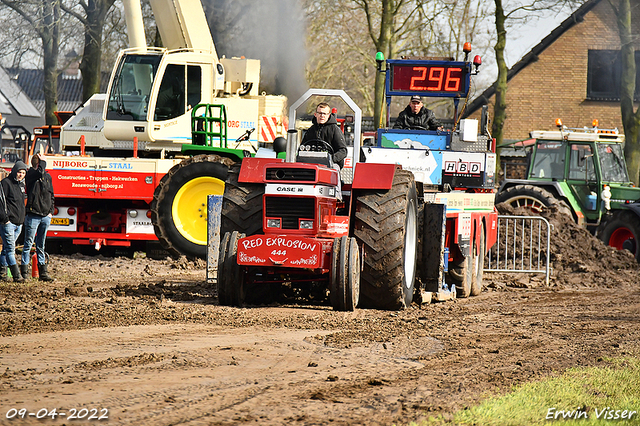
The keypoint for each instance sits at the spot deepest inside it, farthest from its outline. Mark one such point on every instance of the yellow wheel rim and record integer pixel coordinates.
(189, 207)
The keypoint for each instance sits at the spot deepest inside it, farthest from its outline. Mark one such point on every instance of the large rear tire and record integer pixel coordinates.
(179, 206)
(533, 198)
(622, 231)
(242, 206)
(386, 225)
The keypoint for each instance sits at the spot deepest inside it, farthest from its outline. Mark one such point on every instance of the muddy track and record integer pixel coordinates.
(148, 341)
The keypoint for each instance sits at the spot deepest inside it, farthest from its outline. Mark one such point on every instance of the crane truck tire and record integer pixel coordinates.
(242, 206)
(344, 290)
(386, 226)
(179, 206)
(533, 198)
(622, 231)
(231, 290)
(478, 267)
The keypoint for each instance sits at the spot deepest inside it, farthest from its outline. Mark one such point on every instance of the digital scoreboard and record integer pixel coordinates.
(428, 78)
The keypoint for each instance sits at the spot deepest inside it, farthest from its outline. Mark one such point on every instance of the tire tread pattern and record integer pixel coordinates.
(379, 226)
(242, 205)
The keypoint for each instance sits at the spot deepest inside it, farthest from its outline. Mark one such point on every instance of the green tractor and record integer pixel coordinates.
(582, 172)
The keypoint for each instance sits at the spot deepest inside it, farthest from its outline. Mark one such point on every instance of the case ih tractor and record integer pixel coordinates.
(417, 205)
(570, 168)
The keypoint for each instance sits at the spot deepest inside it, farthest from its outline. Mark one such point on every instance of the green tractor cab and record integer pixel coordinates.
(570, 169)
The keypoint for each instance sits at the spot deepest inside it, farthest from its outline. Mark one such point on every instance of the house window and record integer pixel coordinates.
(604, 74)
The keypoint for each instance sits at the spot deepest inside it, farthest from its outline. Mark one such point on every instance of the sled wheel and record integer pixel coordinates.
(461, 274)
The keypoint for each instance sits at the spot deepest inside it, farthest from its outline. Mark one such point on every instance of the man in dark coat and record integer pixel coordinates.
(12, 212)
(325, 127)
(417, 117)
(40, 203)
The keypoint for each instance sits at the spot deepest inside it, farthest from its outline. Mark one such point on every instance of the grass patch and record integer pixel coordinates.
(587, 396)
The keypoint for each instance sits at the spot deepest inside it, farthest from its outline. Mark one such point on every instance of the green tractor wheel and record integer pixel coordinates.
(622, 231)
(533, 198)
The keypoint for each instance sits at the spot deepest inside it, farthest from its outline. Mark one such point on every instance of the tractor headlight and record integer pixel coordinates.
(306, 224)
(273, 223)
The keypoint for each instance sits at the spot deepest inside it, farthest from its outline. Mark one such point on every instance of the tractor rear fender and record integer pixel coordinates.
(252, 169)
(558, 189)
(373, 176)
(233, 154)
(490, 222)
(634, 207)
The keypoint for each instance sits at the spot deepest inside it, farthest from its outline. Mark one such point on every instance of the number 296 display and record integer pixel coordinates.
(431, 80)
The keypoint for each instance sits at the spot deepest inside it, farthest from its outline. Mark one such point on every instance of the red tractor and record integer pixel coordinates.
(310, 238)
(388, 237)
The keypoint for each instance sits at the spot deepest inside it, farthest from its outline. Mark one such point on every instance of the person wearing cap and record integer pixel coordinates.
(417, 117)
(40, 204)
(12, 212)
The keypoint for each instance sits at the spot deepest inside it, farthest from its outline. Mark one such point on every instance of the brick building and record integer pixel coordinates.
(572, 74)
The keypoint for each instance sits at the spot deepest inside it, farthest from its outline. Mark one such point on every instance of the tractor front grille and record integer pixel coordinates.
(290, 210)
(290, 174)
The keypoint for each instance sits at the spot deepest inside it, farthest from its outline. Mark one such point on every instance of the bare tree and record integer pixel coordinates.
(342, 42)
(16, 40)
(389, 23)
(521, 11)
(500, 107)
(93, 19)
(630, 118)
(44, 17)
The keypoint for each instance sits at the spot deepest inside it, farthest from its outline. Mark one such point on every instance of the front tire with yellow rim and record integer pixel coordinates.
(179, 207)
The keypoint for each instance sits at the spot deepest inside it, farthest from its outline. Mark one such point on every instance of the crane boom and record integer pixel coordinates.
(135, 25)
(183, 25)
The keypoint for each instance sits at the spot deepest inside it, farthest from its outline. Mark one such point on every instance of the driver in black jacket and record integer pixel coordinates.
(325, 127)
(417, 117)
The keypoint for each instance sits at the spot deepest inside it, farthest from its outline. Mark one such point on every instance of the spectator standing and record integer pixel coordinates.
(40, 203)
(12, 212)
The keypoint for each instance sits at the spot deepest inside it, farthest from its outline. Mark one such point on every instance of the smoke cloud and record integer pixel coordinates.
(270, 30)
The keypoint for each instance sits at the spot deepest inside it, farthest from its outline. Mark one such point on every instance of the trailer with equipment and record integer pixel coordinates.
(417, 206)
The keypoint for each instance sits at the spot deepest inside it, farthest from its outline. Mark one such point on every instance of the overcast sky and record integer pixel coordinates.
(521, 41)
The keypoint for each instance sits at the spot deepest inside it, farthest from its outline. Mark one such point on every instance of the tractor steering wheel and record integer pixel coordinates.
(317, 145)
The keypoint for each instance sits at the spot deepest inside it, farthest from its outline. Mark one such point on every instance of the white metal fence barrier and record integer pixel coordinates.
(523, 246)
